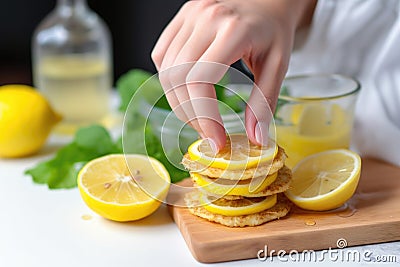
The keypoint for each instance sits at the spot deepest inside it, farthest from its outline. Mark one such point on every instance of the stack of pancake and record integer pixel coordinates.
(225, 196)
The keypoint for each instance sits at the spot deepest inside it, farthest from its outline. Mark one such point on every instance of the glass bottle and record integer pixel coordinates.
(72, 64)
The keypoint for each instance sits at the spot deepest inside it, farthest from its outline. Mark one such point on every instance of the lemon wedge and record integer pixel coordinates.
(238, 153)
(237, 207)
(325, 180)
(231, 187)
(123, 187)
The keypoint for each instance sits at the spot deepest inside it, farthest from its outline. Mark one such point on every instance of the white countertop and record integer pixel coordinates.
(42, 227)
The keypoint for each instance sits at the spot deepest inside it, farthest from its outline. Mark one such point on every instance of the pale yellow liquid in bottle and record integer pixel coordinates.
(77, 86)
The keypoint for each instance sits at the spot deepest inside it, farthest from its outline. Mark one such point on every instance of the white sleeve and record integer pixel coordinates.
(360, 38)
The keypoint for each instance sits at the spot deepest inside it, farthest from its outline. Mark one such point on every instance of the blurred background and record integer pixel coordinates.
(134, 25)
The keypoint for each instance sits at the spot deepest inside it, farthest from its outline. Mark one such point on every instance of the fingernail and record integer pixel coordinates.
(213, 145)
(261, 133)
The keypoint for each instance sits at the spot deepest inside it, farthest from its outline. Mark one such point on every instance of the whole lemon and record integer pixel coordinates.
(26, 119)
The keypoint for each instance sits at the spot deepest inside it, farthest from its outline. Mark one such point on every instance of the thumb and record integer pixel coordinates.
(268, 78)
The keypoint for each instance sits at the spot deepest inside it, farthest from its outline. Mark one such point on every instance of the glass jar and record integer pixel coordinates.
(315, 113)
(72, 64)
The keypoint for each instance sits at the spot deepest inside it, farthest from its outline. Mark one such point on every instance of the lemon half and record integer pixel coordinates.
(123, 187)
(325, 180)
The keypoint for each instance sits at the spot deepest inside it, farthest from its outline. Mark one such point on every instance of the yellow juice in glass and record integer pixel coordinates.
(77, 86)
(312, 128)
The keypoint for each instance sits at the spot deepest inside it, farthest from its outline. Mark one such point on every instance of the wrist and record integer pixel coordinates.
(297, 13)
(303, 12)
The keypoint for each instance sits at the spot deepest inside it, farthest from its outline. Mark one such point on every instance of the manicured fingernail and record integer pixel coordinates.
(213, 145)
(261, 133)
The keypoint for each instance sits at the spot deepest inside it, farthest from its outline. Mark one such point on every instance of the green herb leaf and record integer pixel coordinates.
(95, 138)
(136, 127)
(61, 171)
(155, 150)
(130, 82)
(151, 147)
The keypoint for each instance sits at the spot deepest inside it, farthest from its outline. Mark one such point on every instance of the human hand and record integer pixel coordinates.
(261, 32)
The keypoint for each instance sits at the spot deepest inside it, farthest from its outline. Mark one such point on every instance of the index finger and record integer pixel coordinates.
(209, 70)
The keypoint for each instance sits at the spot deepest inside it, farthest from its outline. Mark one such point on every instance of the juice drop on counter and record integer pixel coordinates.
(86, 217)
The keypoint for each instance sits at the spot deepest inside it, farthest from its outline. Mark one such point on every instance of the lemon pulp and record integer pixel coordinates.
(325, 180)
(123, 187)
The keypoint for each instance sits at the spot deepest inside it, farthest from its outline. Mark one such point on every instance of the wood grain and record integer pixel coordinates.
(371, 216)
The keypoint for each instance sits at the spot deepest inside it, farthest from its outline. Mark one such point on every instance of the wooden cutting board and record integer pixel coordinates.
(371, 216)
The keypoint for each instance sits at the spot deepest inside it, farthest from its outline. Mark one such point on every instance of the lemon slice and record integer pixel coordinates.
(231, 187)
(325, 180)
(237, 207)
(238, 153)
(123, 187)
